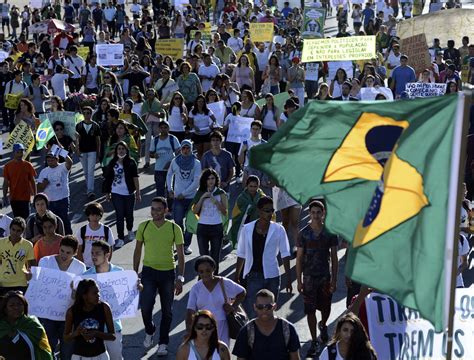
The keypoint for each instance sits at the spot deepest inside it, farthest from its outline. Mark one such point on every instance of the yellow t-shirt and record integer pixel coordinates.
(159, 243)
(13, 260)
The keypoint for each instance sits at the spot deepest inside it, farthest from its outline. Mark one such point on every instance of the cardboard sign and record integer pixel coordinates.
(313, 23)
(13, 100)
(338, 49)
(109, 54)
(416, 90)
(416, 48)
(21, 134)
(261, 32)
(170, 47)
(239, 130)
(398, 333)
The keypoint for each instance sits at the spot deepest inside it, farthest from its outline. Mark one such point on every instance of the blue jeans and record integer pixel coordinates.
(162, 282)
(275, 89)
(123, 205)
(88, 161)
(255, 283)
(180, 208)
(54, 331)
(210, 235)
(61, 209)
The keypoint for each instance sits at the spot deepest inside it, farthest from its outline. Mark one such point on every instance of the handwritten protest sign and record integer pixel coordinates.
(119, 290)
(415, 90)
(398, 333)
(12, 100)
(261, 32)
(416, 48)
(21, 134)
(47, 284)
(239, 129)
(313, 24)
(367, 93)
(336, 49)
(69, 118)
(109, 54)
(218, 109)
(170, 47)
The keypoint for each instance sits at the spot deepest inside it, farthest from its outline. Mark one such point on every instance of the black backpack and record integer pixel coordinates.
(83, 235)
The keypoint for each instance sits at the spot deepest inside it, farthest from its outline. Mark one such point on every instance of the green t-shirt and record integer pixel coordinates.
(159, 243)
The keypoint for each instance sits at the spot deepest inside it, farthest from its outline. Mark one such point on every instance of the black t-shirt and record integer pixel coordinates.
(4, 78)
(135, 79)
(94, 319)
(266, 347)
(258, 246)
(87, 140)
(14, 348)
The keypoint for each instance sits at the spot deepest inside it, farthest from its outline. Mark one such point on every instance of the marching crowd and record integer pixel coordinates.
(159, 107)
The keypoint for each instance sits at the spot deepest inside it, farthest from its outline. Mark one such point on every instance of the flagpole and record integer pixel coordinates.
(466, 98)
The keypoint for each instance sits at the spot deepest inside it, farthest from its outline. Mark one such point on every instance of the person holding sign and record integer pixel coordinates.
(14, 90)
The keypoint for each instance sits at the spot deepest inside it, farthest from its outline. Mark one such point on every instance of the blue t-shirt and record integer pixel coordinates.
(369, 14)
(286, 11)
(402, 75)
(165, 149)
(222, 163)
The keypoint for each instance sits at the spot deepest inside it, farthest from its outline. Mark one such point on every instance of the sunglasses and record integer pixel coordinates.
(268, 211)
(264, 306)
(204, 326)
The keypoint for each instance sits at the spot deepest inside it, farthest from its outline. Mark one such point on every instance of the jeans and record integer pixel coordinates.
(160, 182)
(163, 282)
(234, 148)
(255, 283)
(180, 208)
(210, 234)
(54, 331)
(123, 205)
(61, 209)
(20, 208)
(151, 132)
(275, 89)
(88, 161)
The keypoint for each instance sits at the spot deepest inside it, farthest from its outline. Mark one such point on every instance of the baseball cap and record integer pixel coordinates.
(187, 142)
(18, 147)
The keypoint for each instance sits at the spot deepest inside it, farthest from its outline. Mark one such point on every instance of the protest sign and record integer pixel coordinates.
(398, 333)
(278, 100)
(465, 73)
(21, 134)
(313, 23)
(261, 32)
(415, 90)
(109, 54)
(45, 285)
(337, 49)
(218, 109)
(312, 71)
(69, 118)
(367, 93)
(119, 290)
(36, 4)
(170, 47)
(3, 55)
(239, 130)
(333, 66)
(12, 100)
(416, 48)
(83, 51)
(205, 35)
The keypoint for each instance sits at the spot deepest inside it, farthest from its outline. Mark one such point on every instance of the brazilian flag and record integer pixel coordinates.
(384, 169)
(44, 133)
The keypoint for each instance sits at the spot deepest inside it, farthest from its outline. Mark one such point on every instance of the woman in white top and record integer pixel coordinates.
(207, 294)
(350, 340)
(335, 89)
(249, 108)
(166, 86)
(203, 121)
(202, 343)
(210, 204)
(177, 116)
(269, 117)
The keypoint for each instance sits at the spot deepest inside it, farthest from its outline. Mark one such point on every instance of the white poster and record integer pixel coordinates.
(239, 130)
(109, 54)
(399, 333)
(36, 4)
(416, 90)
(334, 65)
(367, 93)
(312, 71)
(219, 111)
(47, 284)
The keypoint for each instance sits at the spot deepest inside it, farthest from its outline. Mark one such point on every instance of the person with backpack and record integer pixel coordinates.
(76, 64)
(121, 185)
(94, 230)
(267, 336)
(91, 75)
(37, 93)
(14, 88)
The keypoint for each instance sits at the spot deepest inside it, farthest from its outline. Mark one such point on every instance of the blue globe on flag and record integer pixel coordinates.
(41, 135)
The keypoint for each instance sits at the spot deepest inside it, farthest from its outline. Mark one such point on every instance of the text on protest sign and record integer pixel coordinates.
(261, 32)
(335, 49)
(415, 90)
(21, 134)
(416, 48)
(399, 333)
(170, 47)
(109, 54)
(239, 129)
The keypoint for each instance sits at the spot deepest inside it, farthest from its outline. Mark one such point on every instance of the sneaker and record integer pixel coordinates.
(119, 243)
(323, 333)
(187, 250)
(131, 235)
(162, 350)
(313, 349)
(148, 342)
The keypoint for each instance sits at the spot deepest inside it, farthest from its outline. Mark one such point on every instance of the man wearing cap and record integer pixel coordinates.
(401, 76)
(182, 181)
(54, 182)
(163, 148)
(19, 183)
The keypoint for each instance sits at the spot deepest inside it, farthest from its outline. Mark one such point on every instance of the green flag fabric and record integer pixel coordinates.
(384, 171)
(44, 133)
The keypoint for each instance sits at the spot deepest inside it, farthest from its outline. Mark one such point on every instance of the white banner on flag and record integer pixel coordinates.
(109, 54)
(399, 333)
(218, 109)
(415, 90)
(239, 129)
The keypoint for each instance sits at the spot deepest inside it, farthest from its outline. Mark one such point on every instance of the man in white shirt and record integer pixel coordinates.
(109, 14)
(58, 81)
(55, 59)
(258, 246)
(235, 42)
(75, 63)
(387, 11)
(195, 42)
(393, 59)
(262, 55)
(207, 72)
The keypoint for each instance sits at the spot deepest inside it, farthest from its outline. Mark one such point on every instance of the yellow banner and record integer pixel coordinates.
(206, 35)
(261, 32)
(83, 51)
(21, 134)
(12, 101)
(339, 49)
(171, 47)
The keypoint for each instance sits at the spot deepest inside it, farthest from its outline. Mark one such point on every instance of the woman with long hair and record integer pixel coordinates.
(210, 204)
(86, 322)
(273, 74)
(189, 84)
(335, 89)
(243, 74)
(106, 93)
(26, 112)
(250, 108)
(121, 134)
(177, 116)
(203, 342)
(203, 121)
(350, 341)
(56, 104)
(111, 79)
(178, 26)
(323, 92)
(137, 98)
(121, 185)
(269, 117)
